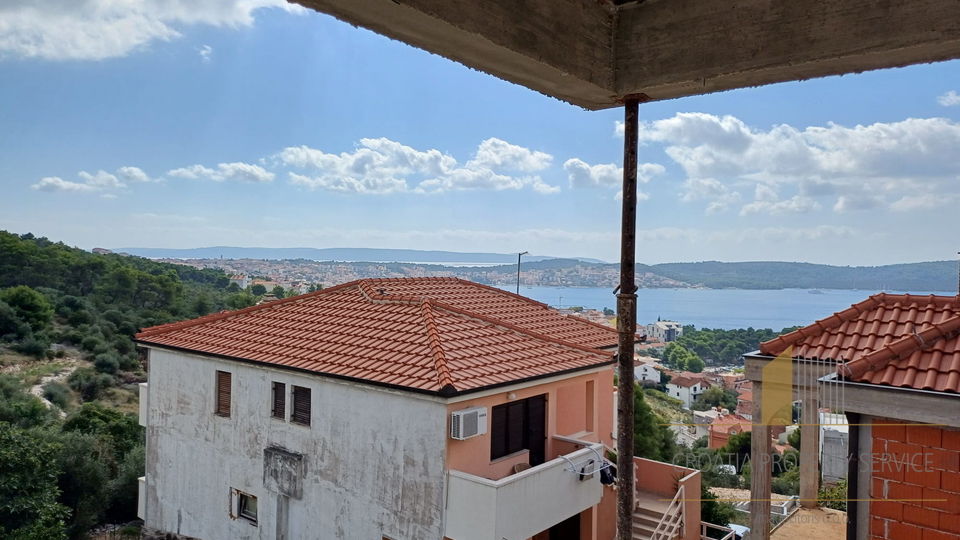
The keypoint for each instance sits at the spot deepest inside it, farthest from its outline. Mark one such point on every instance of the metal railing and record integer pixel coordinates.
(705, 528)
(672, 521)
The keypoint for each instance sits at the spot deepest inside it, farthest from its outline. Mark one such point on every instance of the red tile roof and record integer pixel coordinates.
(905, 340)
(429, 334)
(684, 381)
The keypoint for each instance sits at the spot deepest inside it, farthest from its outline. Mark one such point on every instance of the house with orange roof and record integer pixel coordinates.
(889, 367)
(725, 426)
(685, 388)
(388, 408)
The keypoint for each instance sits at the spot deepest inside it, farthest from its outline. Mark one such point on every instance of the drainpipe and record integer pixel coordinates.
(627, 321)
(853, 473)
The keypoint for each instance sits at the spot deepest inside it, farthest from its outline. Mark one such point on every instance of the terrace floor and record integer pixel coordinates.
(813, 524)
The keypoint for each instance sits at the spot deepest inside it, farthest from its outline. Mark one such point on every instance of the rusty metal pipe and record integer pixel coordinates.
(627, 322)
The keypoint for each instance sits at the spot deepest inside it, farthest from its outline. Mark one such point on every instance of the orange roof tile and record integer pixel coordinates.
(429, 334)
(905, 340)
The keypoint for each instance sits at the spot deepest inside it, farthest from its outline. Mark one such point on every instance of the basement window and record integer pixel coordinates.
(247, 507)
(301, 406)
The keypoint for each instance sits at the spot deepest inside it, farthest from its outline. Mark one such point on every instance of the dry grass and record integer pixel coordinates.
(124, 399)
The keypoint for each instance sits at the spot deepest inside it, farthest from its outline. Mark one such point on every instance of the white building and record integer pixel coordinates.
(241, 279)
(377, 409)
(685, 389)
(646, 370)
(665, 331)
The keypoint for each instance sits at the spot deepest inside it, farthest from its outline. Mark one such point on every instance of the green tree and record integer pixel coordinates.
(124, 489)
(122, 431)
(737, 449)
(12, 327)
(233, 287)
(28, 488)
(793, 439)
(713, 511)
(258, 290)
(241, 300)
(278, 291)
(30, 306)
(695, 364)
(652, 438)
(19, 408)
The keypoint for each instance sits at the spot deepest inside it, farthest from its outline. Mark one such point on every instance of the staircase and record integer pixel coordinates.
(655, 520)
(645, 521)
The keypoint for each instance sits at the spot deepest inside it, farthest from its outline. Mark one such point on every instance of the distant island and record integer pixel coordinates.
(338, 254)
(337, 265)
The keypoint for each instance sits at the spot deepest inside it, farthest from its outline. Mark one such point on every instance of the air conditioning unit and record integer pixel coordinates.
(468, 423)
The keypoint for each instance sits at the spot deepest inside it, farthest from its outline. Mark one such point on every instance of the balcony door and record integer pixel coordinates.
(520, 425)
(568, 529)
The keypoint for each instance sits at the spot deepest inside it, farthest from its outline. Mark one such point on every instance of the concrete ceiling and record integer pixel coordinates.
(592, 53)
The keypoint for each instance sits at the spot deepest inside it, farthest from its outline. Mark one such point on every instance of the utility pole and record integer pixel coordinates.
(518, 268)
(627, 321)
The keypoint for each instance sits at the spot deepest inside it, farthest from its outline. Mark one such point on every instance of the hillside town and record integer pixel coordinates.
(296, 272)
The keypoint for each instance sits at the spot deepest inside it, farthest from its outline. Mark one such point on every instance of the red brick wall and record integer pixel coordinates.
(930, 476)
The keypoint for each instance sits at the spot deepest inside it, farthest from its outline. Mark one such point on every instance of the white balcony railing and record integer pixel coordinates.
(523, 504)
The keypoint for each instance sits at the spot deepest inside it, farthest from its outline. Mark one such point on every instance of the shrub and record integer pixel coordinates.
(106, 363)
(89, 384)
(57, 393)
(33, 346)
(90, 343)
(129, 362)
(31, 306)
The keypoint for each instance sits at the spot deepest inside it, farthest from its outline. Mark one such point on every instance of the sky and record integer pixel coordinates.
(256, 123)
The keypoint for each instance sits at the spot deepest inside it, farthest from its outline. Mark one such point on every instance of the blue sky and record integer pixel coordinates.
(173, 126)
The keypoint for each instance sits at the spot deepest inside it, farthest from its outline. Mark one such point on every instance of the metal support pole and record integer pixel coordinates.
(627, 322)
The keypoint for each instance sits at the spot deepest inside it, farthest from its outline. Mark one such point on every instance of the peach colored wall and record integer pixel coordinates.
(665, 479)
(607, 515)
(574, 397)
(473, 455)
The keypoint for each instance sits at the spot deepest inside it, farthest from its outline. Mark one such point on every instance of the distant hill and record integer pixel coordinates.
(922, 277)
(337, 254)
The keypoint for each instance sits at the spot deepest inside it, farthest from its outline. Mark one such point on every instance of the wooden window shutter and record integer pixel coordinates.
(301, 406)
(224, 388)
(279, 409)
(516, 426)
(498, 432)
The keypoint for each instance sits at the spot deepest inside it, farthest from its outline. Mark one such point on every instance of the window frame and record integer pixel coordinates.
(297, 408)
(243, 500)
(220, 395)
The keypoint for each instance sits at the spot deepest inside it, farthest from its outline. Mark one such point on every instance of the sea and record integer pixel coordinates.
(714, 308)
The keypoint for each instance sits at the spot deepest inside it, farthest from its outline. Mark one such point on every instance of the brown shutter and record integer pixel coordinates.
(223, 393)
(279, 401)
(301, 406)
(498, 432)
(516, 426)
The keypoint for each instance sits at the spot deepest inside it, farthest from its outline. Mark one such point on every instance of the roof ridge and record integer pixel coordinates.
(530, 300)
(503, 324)
(436, 347)
(180, 325)
(896, 349)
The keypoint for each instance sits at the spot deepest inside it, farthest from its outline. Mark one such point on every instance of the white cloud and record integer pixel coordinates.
(99, 181)
(923, 202)
(225, 172)
(710, 189)
(206, 53)
(583, 175)
(797, 204)
(55, 183)
(853, 203)
(133, 175)
(949, 99)
(99, 29)
(381, 166)
(863, 166)
(496, 154)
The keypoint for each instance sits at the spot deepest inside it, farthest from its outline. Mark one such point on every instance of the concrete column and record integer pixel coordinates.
(283, 513)
(810, 449)
(760, 470)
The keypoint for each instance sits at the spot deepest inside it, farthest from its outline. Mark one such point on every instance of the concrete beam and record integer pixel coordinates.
(673, 48)
(561, 48)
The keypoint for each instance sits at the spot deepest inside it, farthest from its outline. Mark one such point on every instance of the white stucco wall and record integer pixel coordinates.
(374, 458)
(684, 394)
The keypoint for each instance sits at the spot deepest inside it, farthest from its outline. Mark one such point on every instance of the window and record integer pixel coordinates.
(279, 409)
(223, 393)
(519, 425)
(247, 507)
(301, 406)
